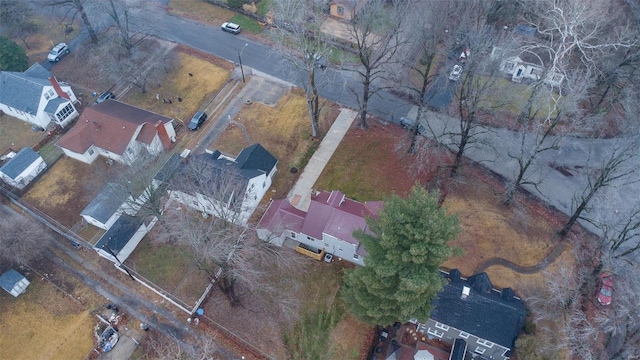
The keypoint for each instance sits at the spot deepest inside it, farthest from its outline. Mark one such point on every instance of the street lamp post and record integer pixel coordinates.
(240, 59)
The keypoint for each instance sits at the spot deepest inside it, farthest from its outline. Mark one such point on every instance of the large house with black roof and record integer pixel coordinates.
(487, 319)
(37, 97)
(220, 185)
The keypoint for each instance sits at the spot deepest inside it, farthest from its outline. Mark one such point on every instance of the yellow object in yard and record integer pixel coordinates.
(309, 251)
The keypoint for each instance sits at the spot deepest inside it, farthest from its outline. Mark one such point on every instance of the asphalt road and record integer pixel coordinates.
(556, 187)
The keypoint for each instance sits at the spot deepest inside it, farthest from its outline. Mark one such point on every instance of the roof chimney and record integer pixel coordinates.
(465, 292)
(57, 88)
(163, 135)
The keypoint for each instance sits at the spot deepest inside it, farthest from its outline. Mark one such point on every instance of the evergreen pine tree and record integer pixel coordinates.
(405, 246)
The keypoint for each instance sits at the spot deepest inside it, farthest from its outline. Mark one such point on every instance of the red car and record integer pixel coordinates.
(605, 292)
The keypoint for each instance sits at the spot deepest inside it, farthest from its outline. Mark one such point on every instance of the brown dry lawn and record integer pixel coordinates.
(44, 324)
(68, 187)
(209, 75)
(16, 134)
(283, 130)
(368, 165)
(201, 11)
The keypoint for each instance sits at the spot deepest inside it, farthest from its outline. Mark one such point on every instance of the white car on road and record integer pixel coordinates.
(58, 52)
(455, 73)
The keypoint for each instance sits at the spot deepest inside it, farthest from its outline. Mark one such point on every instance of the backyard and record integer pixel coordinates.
(43, 323)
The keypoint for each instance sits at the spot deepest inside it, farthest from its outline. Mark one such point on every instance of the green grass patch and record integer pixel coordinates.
(309, 338)
(247, 23)
(163, 265)
(50, 153)
(264, 6)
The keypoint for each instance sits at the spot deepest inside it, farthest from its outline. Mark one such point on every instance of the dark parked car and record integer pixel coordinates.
(105, 96)
(197, 120)
(231, 27)
(409, 124)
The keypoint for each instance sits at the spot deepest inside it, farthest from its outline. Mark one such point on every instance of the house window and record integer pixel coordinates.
(435, 332)
(508, 66)
(49, 94)
(356, 257)
(293, 235)
(339, 249)
(129, 150)
(309, 238)
(442, 326)
(90, 151)
(486, 343)
(341, 10)
(65, 112)
(464, 335)
(264, 183)
(480, 350)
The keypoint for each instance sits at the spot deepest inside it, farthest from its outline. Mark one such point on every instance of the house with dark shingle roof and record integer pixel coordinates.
(328, 224)
(123, 237)
(22, 168)
(220, 185)
(117, 131)
(37, 97)
(487, 319)
(13, 282)
(106, 207)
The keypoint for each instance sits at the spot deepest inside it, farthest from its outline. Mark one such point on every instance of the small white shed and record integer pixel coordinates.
(22, 168)
(14, 282)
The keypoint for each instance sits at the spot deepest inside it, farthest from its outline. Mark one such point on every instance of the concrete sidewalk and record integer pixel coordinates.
(300, 195)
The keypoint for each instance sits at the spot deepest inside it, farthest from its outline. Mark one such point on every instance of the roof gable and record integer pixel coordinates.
(256, 157)
(117, 237)
(109, 125)
(9, 279)
(336, 215)
(486, 315)
(106, 203)
(21, 91)
(19, 163)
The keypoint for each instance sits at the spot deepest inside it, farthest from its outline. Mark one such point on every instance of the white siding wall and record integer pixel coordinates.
(85, 157)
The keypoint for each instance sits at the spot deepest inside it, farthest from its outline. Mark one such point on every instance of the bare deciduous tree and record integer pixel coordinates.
(23, 239)
(377, 34)
(228, 251)
(17, 20)
(616, 169)
(300, 41)
(146, 64)
(74, 7)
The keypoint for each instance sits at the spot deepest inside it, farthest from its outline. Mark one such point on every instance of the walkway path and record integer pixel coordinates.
(300, 195)
(550, 258)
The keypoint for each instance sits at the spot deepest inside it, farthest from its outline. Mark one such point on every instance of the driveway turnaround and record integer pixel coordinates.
(300, 195)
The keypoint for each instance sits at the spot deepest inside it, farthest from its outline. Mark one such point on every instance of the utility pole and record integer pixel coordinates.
(105, 246)
(240, 59)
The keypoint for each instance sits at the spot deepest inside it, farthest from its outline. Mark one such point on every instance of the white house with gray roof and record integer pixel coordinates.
(22, 168)
(35, 96)
(220, 185)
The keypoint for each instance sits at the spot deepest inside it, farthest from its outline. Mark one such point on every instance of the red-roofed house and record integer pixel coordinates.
(327, 225)
(117, 131)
